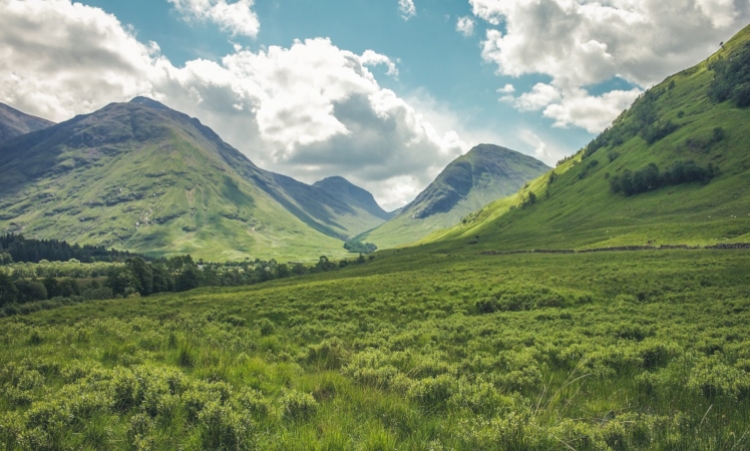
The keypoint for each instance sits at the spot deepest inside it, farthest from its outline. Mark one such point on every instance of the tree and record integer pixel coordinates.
(8, 290)
(189, 278)
(5, 258)
(282, 271)
(31, 291)
(529, 200)
(143, 275)
(163, 280)
(121, 281)
(52, 286)
(298, 269)
(69, 288)
(324, 264)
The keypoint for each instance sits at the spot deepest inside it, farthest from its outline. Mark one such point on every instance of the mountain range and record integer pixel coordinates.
(142, 177)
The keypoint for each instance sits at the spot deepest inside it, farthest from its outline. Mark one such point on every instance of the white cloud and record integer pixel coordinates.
(507, 89)
(584, 42)
(465, 26)
(371, 58)
(311, 110)
(593, 113)
(407, 9)
(540, 96)
(237, 18)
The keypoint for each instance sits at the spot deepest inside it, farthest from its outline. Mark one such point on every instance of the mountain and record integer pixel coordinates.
(15, 123)
(352, 195)
(486, 173)
(142, 177)
(672, 169)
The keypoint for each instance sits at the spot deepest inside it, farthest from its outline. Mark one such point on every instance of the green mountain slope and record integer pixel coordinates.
(486, 173)
(15, 123)
(142, 177)
(680, 126)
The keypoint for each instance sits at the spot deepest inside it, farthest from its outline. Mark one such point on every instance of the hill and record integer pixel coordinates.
(486, 173)
(15, 123)
(673, 169)
(141, 177)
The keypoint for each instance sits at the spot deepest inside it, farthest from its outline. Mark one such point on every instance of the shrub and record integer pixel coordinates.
(224, 429)
(433, 392)
(265, 326)
(297, 405)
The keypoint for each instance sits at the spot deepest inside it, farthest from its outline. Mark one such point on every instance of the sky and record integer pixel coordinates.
(383, 92)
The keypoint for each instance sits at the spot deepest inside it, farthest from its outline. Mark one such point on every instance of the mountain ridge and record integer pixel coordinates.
(143, 177)
(14, 123)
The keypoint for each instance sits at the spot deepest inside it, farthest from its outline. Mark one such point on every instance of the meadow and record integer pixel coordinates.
(419, 349)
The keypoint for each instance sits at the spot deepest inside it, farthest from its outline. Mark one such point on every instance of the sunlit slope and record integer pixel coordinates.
(484, 174)
(142, 177)
(15, 123)
(579, 209)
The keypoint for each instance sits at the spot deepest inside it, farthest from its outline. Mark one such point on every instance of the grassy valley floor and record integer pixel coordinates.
(413, 351)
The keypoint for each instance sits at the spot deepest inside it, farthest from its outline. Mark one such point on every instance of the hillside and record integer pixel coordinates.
(15, 123)
(486, 173)
(681, 151)
(142, 177)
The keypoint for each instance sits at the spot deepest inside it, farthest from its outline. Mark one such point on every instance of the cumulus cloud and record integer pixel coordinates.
(539, 97)
(237, 18)
(465, 26)
(592, 113)
(407, 9)
(310, 110)
(579, 43)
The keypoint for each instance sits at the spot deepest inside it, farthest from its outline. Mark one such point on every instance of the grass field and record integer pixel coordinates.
(417, 350)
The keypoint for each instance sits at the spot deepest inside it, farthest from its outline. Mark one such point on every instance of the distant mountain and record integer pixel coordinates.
(352, 195)
(14, 123)
(673, 169)
(139, 176)
(486, 173)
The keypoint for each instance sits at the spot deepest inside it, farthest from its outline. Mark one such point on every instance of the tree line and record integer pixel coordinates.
(141, 277)
(17, 248)
(651, 178)
(732, 79)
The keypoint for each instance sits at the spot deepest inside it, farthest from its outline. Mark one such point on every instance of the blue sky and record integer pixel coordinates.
(383, 92)
(433, 58)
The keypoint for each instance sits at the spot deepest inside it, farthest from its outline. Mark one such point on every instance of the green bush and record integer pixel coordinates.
(298, 406)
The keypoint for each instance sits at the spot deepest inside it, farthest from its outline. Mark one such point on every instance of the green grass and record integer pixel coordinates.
(417, 351)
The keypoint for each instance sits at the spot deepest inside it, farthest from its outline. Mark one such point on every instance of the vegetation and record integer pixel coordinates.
(732, 78)
(650, 178)
(419, 351)
(26, 288)
(20, 249)
(358, 247)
